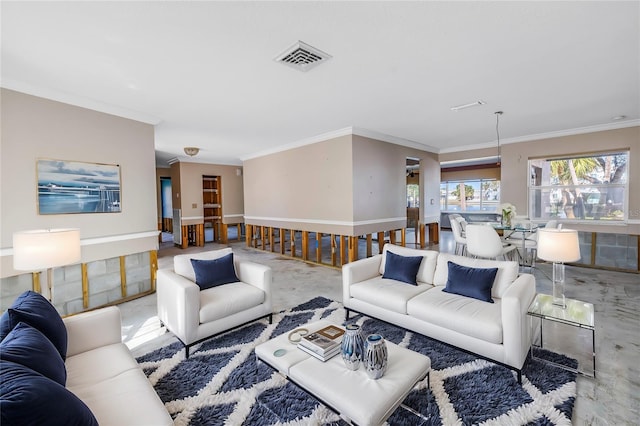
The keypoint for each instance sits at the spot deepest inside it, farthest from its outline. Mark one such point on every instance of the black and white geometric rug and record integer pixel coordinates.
(221, 383)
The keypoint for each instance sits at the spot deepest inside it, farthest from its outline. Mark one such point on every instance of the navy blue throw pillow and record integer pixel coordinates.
(38, 312)
(29, 398)
(402, 268)
(470, 282)
(212, 273)
(27, 346)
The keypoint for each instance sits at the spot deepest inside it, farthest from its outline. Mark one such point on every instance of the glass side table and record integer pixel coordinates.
(562, 330)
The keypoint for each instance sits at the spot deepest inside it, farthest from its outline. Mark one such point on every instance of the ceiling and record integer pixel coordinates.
(204, 72)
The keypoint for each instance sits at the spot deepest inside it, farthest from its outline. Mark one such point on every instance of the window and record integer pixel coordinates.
(588, 187)
(473, 195)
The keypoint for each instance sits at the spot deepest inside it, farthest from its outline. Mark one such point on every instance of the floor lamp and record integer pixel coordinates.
(45, 249)
(558, 246)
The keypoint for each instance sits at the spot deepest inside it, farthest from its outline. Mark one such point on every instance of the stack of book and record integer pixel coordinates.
(322, 344)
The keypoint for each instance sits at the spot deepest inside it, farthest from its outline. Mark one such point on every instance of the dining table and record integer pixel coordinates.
(524, 230)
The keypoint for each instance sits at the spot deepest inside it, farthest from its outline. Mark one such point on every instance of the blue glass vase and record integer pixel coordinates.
(352, 347)
(375, 357)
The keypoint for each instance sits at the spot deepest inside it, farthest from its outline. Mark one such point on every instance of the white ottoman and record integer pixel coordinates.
(352, 394)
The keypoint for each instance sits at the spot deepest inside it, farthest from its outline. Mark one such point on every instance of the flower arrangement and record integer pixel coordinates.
(508, 213)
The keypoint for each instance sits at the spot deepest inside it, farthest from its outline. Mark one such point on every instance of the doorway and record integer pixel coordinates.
(413, 200)
(167, 209)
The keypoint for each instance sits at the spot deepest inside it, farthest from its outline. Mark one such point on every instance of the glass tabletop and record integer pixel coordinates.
(578, 313)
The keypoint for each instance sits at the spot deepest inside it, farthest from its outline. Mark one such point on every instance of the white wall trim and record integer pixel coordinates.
(99, 240)
(233, 215)
(343, 132)
(366, 133)
(548, 135)
(79, 101)
(326, 222)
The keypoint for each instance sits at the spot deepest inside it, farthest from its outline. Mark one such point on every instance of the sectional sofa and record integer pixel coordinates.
(451, 298)
(71, 371)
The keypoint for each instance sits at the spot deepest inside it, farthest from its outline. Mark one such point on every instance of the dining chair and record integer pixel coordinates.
(461, 240)
(483, 241)
(530, 243)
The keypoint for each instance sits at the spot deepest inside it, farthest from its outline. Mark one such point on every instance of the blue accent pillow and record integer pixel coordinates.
(27, 346)
(29, 398)
(470, 282)
(402, 268)
(38, 312)
(215, 272)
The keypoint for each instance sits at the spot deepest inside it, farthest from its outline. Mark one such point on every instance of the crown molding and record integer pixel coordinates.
(79, 101)
(547, 135)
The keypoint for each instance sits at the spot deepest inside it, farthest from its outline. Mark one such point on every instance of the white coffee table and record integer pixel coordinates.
(352, 394)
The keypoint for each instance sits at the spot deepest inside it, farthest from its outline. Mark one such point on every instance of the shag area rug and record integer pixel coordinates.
(222, 384)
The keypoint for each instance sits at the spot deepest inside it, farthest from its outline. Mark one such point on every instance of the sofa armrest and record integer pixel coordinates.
(93, 329)
(360, 270)
(515, 324)
(257, 275)
(178, 304)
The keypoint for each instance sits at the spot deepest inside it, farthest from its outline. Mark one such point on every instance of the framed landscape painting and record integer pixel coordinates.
(77, 187)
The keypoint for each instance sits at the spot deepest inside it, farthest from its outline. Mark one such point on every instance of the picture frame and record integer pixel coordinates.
(71, 187)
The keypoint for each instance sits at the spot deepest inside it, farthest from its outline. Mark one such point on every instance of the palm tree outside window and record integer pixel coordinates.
(590, 187)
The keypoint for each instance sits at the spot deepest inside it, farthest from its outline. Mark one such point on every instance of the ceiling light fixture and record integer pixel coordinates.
(465, 106)
(191, 150)
(498, 114)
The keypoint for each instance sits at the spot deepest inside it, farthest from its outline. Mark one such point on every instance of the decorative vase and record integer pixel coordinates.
(352, 346)
(506, 220)
(375, 357)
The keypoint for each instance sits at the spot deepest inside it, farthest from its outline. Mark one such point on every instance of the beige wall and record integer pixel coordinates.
(514, 169)
(34, 128)
(349, 185)
(188, 192)
(480, 173)
(305, 188)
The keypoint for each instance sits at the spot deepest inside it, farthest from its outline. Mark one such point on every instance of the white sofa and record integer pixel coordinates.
(104, 375)
(498, 331)
(194, 315)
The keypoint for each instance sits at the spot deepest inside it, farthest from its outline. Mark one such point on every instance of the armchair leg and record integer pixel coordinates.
(270, 318)
(186, 352)
(346, 314)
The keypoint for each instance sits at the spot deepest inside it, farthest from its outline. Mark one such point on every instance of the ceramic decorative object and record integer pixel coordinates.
(352, 347)
(375, 357)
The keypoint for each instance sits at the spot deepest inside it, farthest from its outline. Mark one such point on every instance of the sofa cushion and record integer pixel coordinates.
(125, 399)
(214, 272)
(228, 299)
(507, 271)
(465, 315)
(388, 294)
(27, 346)
(29, 398)
(113, 360)
(32, 308)
(402, 268)
(182, 262)
(427, 267)
(470, 282)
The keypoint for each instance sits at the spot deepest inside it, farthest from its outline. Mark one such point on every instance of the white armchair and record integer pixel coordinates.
(194, 315)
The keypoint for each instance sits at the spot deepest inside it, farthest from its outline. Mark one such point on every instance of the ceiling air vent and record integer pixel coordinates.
(302, 57)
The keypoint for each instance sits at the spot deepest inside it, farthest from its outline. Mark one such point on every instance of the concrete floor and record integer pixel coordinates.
(612, 398)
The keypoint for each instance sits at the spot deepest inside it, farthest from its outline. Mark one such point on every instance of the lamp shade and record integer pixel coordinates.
(558, 245)
(45, 248)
